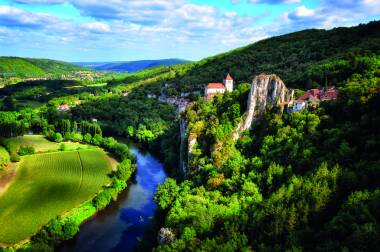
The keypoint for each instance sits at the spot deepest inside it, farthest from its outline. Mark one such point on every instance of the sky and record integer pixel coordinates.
(123, 30)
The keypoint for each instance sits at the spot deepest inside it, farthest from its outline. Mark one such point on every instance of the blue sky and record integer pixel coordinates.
(115, 30)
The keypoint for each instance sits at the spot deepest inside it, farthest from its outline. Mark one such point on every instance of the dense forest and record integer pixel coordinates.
(304, 59)
(304, 181)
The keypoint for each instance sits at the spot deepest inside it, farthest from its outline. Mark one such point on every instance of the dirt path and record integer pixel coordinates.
(6, 178)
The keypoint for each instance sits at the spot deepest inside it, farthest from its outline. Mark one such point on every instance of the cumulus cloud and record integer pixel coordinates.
(146, 12)
(173, 24)
(331, 13)
(14, 17)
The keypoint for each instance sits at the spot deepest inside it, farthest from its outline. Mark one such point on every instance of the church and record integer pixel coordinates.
(219, 88)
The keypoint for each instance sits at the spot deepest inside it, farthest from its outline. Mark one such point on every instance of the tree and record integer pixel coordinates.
(58, 137)
(87, 138)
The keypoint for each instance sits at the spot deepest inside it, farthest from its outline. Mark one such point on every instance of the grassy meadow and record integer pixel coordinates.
(41, 144)
(47, 185)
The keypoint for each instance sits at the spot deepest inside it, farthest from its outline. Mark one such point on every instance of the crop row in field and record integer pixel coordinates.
(41, 144)
(47, 185)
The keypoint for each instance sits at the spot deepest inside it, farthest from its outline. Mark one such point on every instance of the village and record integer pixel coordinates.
(309, 99)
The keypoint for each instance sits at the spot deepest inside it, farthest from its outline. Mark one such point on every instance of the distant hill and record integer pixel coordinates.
(302, 59)
(130, 66)
(28, 67)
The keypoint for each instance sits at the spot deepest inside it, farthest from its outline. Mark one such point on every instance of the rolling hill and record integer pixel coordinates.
(28, 67)
(130, 66)
(302, 59)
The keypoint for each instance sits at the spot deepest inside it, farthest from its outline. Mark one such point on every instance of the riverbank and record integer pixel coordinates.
(66, 225)
(128, 220)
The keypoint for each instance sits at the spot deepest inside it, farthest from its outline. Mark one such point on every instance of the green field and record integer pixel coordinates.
(41, 144)
(47, 185)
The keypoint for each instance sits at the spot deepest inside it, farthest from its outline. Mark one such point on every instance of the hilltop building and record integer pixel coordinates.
(219, 88)
(313, 97)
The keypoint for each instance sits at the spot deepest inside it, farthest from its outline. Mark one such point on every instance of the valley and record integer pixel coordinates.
(268, 147)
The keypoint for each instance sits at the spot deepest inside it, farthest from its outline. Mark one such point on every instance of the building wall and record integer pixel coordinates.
(215, 91)
(229, 85)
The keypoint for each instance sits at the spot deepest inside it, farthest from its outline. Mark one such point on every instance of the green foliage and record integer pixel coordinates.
(26, 150)
(4, 157)
(25, 67)
(305, 181)
(304, 59)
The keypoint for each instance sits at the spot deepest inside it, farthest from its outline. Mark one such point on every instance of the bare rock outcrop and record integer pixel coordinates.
(266, 89)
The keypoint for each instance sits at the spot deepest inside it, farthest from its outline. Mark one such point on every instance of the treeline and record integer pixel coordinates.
(305, 181)
(304, 59)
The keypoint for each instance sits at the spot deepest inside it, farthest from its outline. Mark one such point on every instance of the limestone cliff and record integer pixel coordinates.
(188, 143)
(183, 156)
(265, 89)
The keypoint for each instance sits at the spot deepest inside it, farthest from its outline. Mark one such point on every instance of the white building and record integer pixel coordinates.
(219, 88)
(229, 83)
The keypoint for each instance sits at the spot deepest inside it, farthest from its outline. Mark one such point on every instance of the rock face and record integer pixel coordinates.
(165, 236)
(266, 89)
(188, 143)
(182, 132)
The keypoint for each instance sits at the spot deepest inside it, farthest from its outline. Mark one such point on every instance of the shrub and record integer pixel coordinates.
(124, 170)
(101, 200)
(26, 150)
(87, 138)
(97, 140)
(58, 137)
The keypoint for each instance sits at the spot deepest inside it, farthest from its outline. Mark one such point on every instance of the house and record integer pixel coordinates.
(330, 94)
(64, 107)
(313, 97)
(219, 88)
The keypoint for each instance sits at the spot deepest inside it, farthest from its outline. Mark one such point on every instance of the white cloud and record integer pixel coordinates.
(18, 18)
(330, 14)
(97, 27)
(302, 11)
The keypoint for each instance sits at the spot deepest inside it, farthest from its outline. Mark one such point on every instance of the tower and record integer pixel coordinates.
(229, 83)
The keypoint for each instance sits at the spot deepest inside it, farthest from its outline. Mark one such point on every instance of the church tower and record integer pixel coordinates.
(229, 83)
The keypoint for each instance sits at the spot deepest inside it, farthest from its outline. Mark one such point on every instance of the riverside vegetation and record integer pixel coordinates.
(300, 181)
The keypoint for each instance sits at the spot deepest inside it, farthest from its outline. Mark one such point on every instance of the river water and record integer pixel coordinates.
(129, 220)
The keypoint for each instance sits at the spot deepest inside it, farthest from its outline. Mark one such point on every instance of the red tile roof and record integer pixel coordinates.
(329, 95)
(315, 95)
(229, 77)
(215, 85)
(315, 92)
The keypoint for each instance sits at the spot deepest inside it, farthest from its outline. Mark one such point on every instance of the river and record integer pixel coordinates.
(126, 222)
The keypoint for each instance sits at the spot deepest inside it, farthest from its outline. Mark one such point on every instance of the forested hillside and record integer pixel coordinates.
(302, 59)
(303, 181)
(28, 67)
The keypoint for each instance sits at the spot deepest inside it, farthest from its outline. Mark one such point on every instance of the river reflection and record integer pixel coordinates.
(122, 225)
